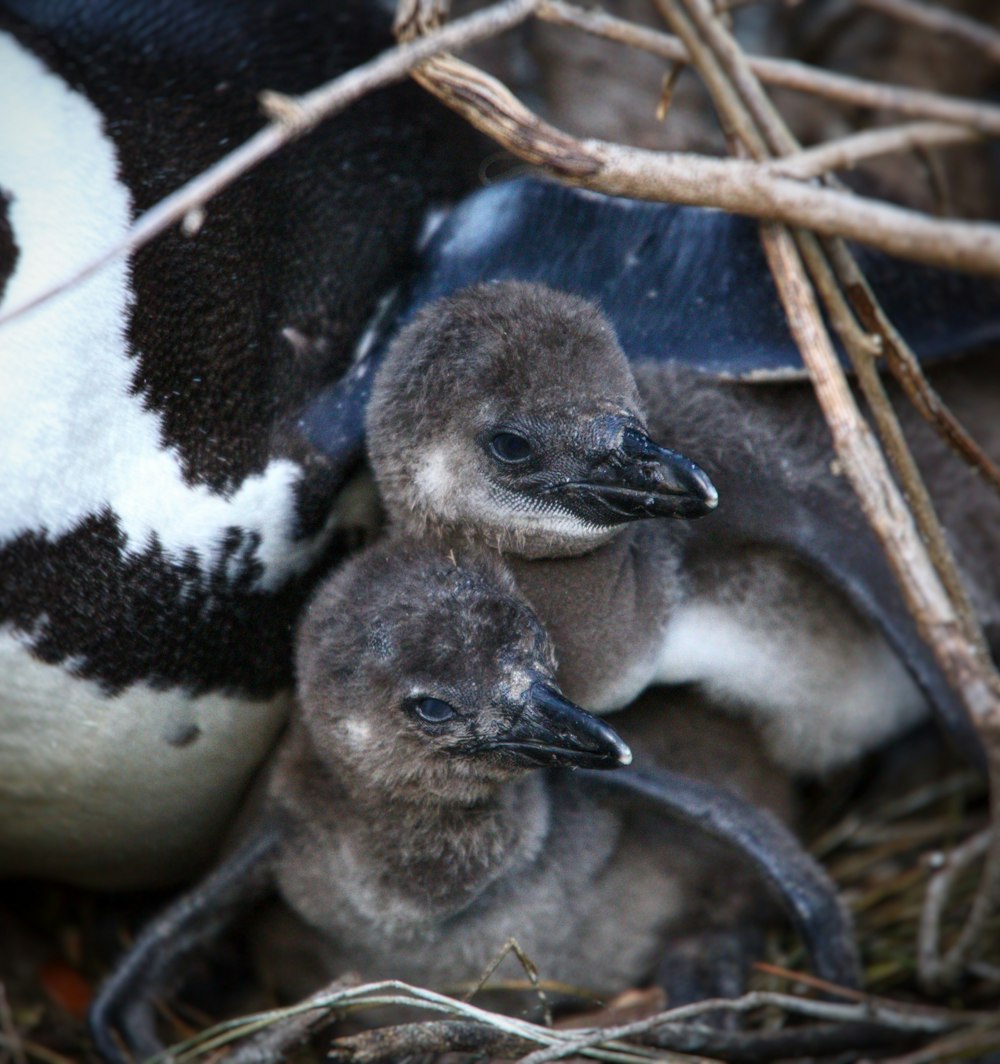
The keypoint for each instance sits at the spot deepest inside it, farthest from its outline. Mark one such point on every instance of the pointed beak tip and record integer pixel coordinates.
(624, 756)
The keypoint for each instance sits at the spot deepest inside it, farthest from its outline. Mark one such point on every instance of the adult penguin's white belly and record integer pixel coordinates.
(160, 520)
(98, 771)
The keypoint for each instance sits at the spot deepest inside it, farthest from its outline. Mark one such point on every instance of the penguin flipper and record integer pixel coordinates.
(680, 284)
(124, 1002)
(805, 891)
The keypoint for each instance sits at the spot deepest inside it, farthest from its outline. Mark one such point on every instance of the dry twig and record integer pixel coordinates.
(942, 21)
(943, 613)
(789, 74)
(732, 185)
(848, 152)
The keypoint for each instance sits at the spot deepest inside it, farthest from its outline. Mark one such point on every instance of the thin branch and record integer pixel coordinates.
(859, 344)
(870, 1011)
(942, 21)
(847, 152)
(390, 1044)
(929, 938)
(727, 184)
(905, 367)
(789, 74)
(293, 117)
(384, 1045)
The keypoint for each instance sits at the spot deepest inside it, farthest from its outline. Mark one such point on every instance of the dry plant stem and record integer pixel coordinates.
(847, 152)
(728, 184)
(937, 617)
(754, 108)
(295, 117)
(903, 364)
(899, 1017)
(936, 898)
(786, 73)
(930, 581)
(389, 1044)
(940, 20)
(859, 348)
(984, 905)
(276, 1042)
(880, 499)
(530, 970)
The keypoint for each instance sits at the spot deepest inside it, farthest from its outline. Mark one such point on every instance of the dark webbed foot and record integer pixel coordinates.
(122, 1018)
(713, 963)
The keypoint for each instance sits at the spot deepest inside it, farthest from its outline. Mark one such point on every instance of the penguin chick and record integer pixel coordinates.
(407, 828)
(511, 414)
(507, 415)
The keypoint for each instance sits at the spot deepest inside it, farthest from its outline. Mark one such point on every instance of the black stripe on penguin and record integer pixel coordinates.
(231, 330)
(8, 246)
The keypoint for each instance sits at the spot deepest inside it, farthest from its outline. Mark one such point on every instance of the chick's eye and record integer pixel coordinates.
(510, 447)
(433, 710)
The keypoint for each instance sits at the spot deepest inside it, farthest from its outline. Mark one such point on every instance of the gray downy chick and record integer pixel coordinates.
(418, 813)
(507, 415)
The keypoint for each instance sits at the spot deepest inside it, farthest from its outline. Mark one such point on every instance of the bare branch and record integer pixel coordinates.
(929, 942)
(293, 117)
(942, 21)
(389, 1044)
(872, 1010)
(905, 367)
(728, 184)
(846, 153)
(789, 74)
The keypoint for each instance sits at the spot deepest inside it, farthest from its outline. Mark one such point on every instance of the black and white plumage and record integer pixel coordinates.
(162, 515)
(779, 604)
(406, 825)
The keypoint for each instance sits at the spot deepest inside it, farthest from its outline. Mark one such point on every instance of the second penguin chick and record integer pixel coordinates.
(420, 838)
(405, 823)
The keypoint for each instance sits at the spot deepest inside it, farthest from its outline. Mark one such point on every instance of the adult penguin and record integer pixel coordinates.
(162, 517)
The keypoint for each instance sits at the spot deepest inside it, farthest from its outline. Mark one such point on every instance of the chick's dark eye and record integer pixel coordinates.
(433, 710)
(510, 447)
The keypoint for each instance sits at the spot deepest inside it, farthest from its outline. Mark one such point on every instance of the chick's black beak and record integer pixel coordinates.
(640, 479)
(550, 730)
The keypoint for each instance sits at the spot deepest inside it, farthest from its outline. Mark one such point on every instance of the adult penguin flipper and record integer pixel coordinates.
(680, 285)
(122, 1012)
(805, 891)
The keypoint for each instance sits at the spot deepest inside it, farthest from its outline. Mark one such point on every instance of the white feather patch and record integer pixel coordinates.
(820, 702)
(73, 441)
(93, 789)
